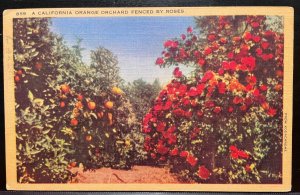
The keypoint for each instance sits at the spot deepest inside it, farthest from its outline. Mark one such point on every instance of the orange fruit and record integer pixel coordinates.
(100, 114)
(92, 105)
(65, 88)
(117, 91)
(79, 105)
(73, 164)
(109, 116)
(38, 66)
(109, 104)
(74, 122)
(278, 87)
(17, 78)
(88, 138)
(62, 104)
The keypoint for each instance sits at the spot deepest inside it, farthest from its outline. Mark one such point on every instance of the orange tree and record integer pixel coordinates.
(223, 123)
(42, 149)
(66, 112)
(101, 119)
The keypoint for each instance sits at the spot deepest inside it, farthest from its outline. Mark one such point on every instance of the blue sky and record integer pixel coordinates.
(136, 41)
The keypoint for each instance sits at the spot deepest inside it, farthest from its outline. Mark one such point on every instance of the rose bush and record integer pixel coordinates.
(223, 123)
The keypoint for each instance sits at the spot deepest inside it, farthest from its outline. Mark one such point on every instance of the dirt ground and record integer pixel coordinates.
(138, 174)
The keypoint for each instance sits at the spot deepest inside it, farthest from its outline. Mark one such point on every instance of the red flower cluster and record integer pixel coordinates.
(203, 172)
(235, 153)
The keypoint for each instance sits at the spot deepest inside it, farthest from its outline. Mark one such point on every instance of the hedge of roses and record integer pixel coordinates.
(222, 123)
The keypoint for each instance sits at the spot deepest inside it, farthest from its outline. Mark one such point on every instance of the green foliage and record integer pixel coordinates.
(41, 149)
(142, 95)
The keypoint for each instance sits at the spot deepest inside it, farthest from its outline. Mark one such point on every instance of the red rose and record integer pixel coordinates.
(237, 100)
(199, 113)
(167, 105)
(207, 51)
(263, 87)
(209, 104)
(185, 102)
(236, 39)
(172, 139)
(247, 36)
(181, 90)
(248, 168)
(221, 71)
(159, 61)
(192, 92)
(243, 108)
(251, 80)
(162, 149)
(182, 53)
(211, 37)
(254, 24)
(188, 114)
(158, 107)
(234, 155)
(192, 160)
(178, 112)
(177, 73)
(230, 109)
(223, 40)
(249, 87)
(258, 51)
(201, 62)
(256, 93)
(230, 55)
(153, 156)
(207, 76)
(269, 34)
(184, 154)
(197, 54)
(248, 101)
(222, 87)
(161, 126)
(189, 29)
(167, 55)
(171, 44)
(171, 129)
(256, 39)
(249, 62)
(174, 152)
(265, 45)
(183, 37)
(272, 112)
(243, 154)
(200, 88)
(163, 158)
(217, 109)
(203, 172)
(233, 148)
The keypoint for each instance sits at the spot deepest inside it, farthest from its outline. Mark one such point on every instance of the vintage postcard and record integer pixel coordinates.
(149, 99)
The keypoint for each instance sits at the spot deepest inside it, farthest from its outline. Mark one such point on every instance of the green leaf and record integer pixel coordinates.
(39, 102)
(30, 95)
